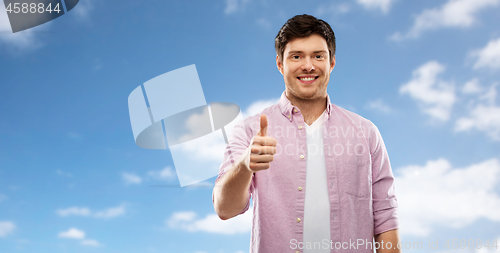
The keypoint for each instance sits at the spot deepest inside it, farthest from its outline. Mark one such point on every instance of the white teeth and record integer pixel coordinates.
(307, 79)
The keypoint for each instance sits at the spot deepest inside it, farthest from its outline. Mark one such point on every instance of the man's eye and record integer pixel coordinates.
(319, 57)
(295, 57)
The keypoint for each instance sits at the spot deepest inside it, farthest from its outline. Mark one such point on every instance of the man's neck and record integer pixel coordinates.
(311, 109)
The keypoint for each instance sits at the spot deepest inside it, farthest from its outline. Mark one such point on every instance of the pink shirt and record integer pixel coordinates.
(359, 180)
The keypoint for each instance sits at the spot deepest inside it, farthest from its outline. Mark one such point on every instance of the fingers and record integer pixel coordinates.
(263, 150)
(263, 125)
(258, 166)
(264, 141)
(261, 158)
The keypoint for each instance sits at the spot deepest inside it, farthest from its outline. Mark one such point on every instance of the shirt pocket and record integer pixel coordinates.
(356, 175)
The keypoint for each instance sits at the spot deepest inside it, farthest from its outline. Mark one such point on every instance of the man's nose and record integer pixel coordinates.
(308, 65)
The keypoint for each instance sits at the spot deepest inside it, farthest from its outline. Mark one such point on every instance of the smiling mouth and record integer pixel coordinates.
(308, 78)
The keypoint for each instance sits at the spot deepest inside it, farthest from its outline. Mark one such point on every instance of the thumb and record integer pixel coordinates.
(263, 125)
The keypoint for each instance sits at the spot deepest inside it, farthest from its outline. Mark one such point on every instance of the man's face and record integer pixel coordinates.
(306, 68)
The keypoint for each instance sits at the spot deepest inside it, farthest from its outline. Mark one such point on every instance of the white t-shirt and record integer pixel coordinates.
(317, 203)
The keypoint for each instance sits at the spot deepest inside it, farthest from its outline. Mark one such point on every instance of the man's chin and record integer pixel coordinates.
(308, 96)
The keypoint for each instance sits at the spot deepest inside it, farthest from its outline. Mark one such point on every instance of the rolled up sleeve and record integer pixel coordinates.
(385, 203)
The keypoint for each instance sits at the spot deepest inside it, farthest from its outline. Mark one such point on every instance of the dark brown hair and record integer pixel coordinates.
(302, 26)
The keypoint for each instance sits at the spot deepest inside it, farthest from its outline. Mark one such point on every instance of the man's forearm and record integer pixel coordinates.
(231, 191)
(391, 236)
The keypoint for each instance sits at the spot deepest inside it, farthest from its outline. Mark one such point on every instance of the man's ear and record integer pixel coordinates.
(332, 65)
(279, 64)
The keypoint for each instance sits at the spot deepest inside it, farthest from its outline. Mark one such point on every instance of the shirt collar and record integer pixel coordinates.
(287, 109)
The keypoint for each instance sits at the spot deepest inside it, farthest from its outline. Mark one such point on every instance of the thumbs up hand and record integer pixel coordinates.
(262, 148)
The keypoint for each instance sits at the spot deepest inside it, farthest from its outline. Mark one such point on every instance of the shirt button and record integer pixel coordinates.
(300, 127)
(298, 219)
(301, 156)
(289, 116)
(300, 188)
(294, 109)
(297, 251)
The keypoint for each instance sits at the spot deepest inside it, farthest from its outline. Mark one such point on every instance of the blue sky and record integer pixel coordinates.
(73, 180)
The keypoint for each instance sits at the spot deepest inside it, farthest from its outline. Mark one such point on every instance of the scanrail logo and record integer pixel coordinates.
(171, 108)
(25, 14)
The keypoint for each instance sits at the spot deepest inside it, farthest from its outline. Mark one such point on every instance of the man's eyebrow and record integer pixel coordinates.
(300, 52)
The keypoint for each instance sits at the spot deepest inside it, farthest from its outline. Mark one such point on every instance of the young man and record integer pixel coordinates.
(319, 175)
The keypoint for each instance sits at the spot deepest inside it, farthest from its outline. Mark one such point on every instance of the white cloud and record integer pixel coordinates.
(20, 40)
(74, 211)
(130, 178)
(195, 125)
(72, 233)
(198, 159)
(489, 56)
(6, 228)
(207, 148)
(233, 6)
(437, 194)
(435, 97)
(379, 105)
(165, 174)
(454, 13)
(111, 212)
(491, 95)
(86, 212)
(211, 223)
(382, 5)
(90, 242)
(258, 106)
(484, 116)
(181, 217)
(472, 87)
